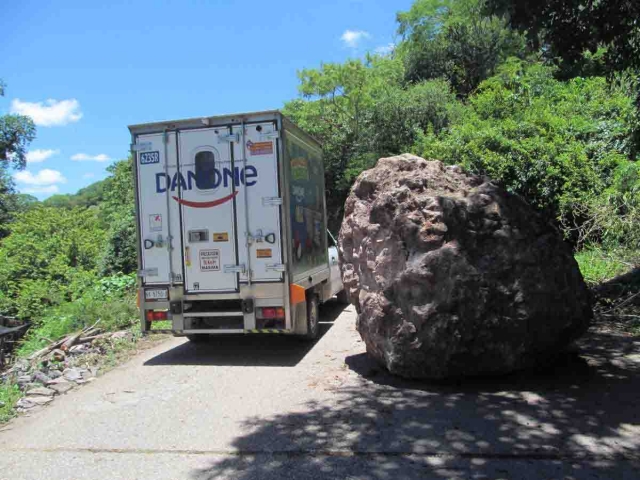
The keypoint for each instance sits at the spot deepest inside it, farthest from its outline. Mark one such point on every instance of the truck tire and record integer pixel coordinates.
(312, 318)
(342, 297)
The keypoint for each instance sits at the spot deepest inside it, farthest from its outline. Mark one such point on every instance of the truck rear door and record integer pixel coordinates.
(158, 216)
(206, 188)
(256, 153)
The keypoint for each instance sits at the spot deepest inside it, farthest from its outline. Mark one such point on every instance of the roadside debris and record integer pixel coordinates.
(61, 366)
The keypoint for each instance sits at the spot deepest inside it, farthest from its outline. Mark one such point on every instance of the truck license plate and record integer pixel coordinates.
(156, 294)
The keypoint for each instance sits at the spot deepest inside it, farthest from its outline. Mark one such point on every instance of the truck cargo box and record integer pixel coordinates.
(231, 222)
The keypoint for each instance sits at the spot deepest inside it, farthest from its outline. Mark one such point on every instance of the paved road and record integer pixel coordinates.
(264, 408)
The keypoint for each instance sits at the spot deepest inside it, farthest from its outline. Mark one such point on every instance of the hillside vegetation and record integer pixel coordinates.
(466, 84)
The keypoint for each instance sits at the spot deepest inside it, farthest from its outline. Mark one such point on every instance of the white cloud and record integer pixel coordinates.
(49, 113)
(83, 157)
(88, 175)
(385, 49)
(42, 178)
(38, 190)
(352, 38)
(37, 156)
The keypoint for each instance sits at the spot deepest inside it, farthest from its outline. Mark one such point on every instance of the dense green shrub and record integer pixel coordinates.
(612, 217)
(49, 257)
(110, 300)
(119, 253)
(555, 143)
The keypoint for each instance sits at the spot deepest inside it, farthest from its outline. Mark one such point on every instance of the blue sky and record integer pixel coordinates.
(84, 70)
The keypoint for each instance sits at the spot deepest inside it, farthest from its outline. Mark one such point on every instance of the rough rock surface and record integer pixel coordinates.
(452, 276)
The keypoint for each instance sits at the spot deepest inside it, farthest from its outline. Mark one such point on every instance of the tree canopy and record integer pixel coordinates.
(575, 30)
(16, 133)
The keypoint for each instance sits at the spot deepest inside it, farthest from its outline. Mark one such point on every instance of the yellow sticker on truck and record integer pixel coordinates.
(263, 253)
(221, 237)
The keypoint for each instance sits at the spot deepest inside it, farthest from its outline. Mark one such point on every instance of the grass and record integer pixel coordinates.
(9, 395)
(162, 325)
(614, 304)
(598, 265)
(114, 313)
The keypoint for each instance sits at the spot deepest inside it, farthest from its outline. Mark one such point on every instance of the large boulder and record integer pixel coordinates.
(453, 276)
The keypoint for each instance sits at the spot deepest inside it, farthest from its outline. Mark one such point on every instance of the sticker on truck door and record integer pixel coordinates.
(155, 222)
(209, 260)
(260, 148)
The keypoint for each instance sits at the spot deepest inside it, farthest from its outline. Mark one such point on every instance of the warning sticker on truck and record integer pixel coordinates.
(260, 148)
(155, 222)
(209, 260)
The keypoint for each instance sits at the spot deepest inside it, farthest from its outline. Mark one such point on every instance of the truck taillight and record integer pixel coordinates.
(157, 315)
(270, 312)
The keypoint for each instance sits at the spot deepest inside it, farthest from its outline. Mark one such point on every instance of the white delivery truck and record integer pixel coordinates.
(231, 222)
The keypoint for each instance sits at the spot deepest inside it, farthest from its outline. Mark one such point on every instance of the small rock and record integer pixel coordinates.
(61, 387)
(121, 335)
(24, 379)
(25, 404)
(38, 376)
(57, 381)
(41, 392)
(72, 374)
(78, 349)
(58, 355)
(22, 365)
(2, 404)
(38, 400)
(53, 374)
(635, 357)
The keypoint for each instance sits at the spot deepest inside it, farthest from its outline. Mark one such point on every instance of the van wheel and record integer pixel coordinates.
(198, 338)
(312, 318)
(342, 297)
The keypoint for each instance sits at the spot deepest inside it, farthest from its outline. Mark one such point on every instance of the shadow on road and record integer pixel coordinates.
(578, 419)
(259, 350)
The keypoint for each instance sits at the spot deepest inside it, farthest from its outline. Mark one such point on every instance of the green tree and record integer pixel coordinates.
(119, 254)
(455, 40)
(7, 201)
(16, 133)
(361, 111)
(24, 202)
(567, 29)
(49, 257)
(91, 195)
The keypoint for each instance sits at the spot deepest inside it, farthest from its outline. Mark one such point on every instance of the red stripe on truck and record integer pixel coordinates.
(212, 203)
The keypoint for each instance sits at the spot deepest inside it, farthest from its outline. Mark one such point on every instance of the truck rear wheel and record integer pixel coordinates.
(312, 318)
